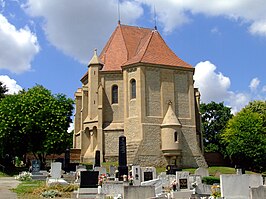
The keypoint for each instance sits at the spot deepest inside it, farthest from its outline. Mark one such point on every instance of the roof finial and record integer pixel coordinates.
(170, 102)
(155, 18)
(118, 11)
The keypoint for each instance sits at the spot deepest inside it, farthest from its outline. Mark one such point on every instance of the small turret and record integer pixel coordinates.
(95, 65)
(171, 135)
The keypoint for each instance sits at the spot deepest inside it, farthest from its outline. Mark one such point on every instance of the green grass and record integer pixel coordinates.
(212, 170)
(3, 174)
(27, 187)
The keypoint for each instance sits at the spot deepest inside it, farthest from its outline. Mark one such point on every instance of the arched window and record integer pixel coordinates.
(175, 136)
(133, 88)
(114, 94)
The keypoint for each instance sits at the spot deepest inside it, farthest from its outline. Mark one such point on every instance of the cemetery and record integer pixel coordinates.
(138, 182)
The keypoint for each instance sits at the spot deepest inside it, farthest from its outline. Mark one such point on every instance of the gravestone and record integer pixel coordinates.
(202, 171)
(148, 173)
(136, 175)
(56, 168)
(67, 160)
(182, 179)
(258, 193)
(122, 159)
(237, 186)
(89, 179)
(97, 161)
(172, 169)
(112, 170)
(101, 170)
(36, 166)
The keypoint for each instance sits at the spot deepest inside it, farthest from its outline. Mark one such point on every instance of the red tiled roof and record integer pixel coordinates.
(130, 44)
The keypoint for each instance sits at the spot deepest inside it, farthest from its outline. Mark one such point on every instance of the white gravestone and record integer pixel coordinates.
(56, 169)
(136, 175)
(148, 173)
(237, 186)
(182, 179)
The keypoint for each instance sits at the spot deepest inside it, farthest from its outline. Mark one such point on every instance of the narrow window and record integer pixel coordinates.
(133, 88)
(175, 135)
(115, 94)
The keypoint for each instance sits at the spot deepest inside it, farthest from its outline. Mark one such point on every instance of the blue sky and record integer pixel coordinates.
(50, 42)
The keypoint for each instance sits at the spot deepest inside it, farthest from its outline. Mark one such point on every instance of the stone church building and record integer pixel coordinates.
(139, 88)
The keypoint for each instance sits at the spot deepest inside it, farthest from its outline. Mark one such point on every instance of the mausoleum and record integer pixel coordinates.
(139, 88)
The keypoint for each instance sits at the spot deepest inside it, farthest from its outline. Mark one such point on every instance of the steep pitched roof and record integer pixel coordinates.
(130, 45)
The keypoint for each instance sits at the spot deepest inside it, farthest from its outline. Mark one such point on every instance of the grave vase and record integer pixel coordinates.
(99, 189)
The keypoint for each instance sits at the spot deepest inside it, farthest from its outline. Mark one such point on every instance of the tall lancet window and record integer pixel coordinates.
(176, 136)
(114, 94)
(133, 89)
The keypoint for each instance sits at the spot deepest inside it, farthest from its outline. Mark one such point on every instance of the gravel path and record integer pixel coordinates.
(7, 183)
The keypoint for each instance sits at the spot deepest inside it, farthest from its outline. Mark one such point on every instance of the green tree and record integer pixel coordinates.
(35, 121)
(214, 119)
(245, 137)
(3, 90)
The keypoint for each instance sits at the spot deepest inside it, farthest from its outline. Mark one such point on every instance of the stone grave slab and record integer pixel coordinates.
(258, 193)
(157, 183)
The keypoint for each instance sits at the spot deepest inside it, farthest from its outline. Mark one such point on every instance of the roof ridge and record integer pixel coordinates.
(136, 27)
(146, 48)
(106, 47)
(124, 41)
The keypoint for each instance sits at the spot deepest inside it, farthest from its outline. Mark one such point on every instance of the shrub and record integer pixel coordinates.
(50, 193)
(210, 180)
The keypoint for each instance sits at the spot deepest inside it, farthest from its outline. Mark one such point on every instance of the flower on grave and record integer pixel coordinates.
(24, 176)
(102, 179)
(194, 184)
(124, 178)
(215, 189)
(130, 180)
(174, 185)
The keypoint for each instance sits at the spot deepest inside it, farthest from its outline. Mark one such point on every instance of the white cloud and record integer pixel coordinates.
(263, 88)
(214, 86)
(254, 83)
(172, 13)
(10, 84)
(77, 28)
(70, 128)
(18, 47)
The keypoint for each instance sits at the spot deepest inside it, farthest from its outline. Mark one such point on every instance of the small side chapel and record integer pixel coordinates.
(139, 88)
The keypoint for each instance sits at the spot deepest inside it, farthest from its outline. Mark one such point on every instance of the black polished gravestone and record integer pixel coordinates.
(36, 166)
(67, 160)
(97, 162)
(122, 159)
(147, 176)
(172, 169)
(89, 179)
(183, 184)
